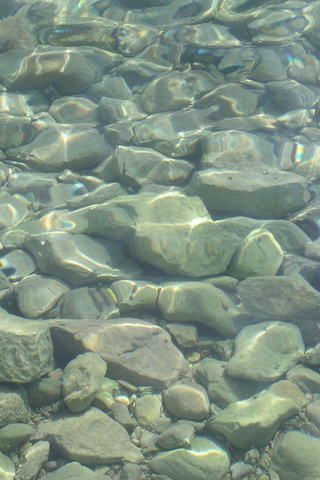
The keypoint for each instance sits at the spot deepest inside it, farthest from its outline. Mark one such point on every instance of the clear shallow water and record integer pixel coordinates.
(160, 164)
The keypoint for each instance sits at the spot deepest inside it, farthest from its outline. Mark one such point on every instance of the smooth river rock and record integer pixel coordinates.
(265, 351)
(135, 350)
(187, 400)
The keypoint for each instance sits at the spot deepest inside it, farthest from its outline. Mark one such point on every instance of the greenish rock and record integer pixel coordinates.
(265, 351)
(117, 110)
(296, 456)
(137, 166)
(222, 389)
(120, 216)
(225, 283)
(79, 303)
(176, 436)
(114, 87)
(14, 405)
(122, 343)
(186, 335)
(204, 460)
(74, 470)
(130, 472)
(107, 394)
(307, 379)
(313, 250)
(132, 295)
(91, 437)
(33, 458)
(281, 297)
(12, 210)
(312, 355)
(147, 409)
(35, 295)
(7, 468)
(12, 130)
(14, 435)
(203, 303)
(44, 391)
(187, 400)
(120, 413)
(80, 259)
(263, 195)
(26, 351)
(63, 146)
(99, 195)
(82, 379)
(259, 254)
(166, 93)
(18, 264)
(253, 422)
(75, 110)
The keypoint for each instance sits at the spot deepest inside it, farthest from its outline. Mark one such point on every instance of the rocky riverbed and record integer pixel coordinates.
(159, 234)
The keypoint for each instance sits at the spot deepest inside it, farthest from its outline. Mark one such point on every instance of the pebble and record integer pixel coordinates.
(187, 400)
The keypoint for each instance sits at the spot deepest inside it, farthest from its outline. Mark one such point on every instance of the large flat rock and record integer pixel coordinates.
(26, 351)
(91, 438)
(135, 350)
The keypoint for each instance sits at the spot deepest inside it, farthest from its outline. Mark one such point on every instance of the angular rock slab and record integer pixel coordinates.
(296, 456)
(73, 470)
(56, 148)
(80, 259)
(26, 351)
(205, 460)
(91, 437)
(254, 422)
(263, 195)
(203, 303)
(194, 249)
(289, 298)
(135, 350)
(265, 351)
(82, 379)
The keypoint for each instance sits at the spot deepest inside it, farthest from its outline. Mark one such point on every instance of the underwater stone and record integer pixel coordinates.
(75, 110)
(26, 351)
(74, 470)
(264, 195)
(265, 351)
(187, 400)
(166, 93)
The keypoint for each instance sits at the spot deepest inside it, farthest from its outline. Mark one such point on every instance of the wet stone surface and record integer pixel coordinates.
(159, 240)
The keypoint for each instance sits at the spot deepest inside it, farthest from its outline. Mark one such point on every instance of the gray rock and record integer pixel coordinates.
(203, 303)
(82, 379)
(7, 468)
(166, 93)
(133, 295)
(44, 391)
(107, 394)
(283, 297)
(176, 436)
(122, 343)
(259, 254)
(121, 414)
(186, 335)
(312, 355)
(147, 409)
(114, 87)
(204, 460)
(137, 166)
(12, 210)
(80, 259)
(130, 472)
(56, 148)
(32, 460)
(307, 379)
(265, 351)
(14, 405)
(222, 389)
(12, 436)
(313, 412)
(13, 130)
(26, 351)
(17, 264)
(296, 456)
(254, 422)
(79, 303)
(240, 470)
(91, 437)
(187, 400)
(74, 470)
(271, 194)
(36, 295)
(100, 194)
(75, 110)
(116, 110)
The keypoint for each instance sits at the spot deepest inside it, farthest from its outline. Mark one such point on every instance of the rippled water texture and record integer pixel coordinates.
(159, 239)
